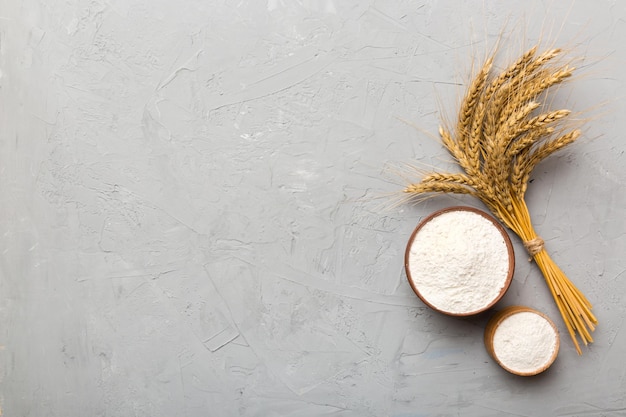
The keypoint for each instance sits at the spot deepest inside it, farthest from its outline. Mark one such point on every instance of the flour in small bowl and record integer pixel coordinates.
(458, 262)
(525, 342)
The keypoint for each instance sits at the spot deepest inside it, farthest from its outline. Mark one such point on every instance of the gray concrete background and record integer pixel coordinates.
(196, 213)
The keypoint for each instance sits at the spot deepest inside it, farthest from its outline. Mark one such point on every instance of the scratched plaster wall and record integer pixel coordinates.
(194, 221)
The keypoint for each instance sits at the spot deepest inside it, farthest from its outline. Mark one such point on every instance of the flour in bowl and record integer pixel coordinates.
(458, 262)
(525, 342)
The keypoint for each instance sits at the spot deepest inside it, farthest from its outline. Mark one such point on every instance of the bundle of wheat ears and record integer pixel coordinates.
(503, 131)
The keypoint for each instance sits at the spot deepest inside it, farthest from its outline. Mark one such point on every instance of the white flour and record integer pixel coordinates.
(524, 342)
(459, 262)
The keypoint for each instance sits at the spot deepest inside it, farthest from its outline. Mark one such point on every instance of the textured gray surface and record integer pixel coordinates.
(193, 217)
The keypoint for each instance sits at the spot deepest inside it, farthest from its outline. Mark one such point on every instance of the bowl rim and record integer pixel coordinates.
(499, 227)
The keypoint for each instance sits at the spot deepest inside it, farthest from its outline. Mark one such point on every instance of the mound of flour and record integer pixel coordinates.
(524, 342)
(459, 262)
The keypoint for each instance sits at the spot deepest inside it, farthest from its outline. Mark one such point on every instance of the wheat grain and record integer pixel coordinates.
(458, 178)
(468, 105)
(545, 149)
(499, 85)
(526, 139)
(439, 187)
(532, 88)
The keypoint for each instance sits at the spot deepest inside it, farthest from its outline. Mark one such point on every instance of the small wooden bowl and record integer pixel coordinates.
(505, 283)
(548, 357)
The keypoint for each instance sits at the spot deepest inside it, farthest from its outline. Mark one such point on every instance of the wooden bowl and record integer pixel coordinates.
(503, 282)
(535, 348)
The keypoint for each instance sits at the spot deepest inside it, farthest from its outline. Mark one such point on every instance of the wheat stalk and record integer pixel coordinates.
(498, 140)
